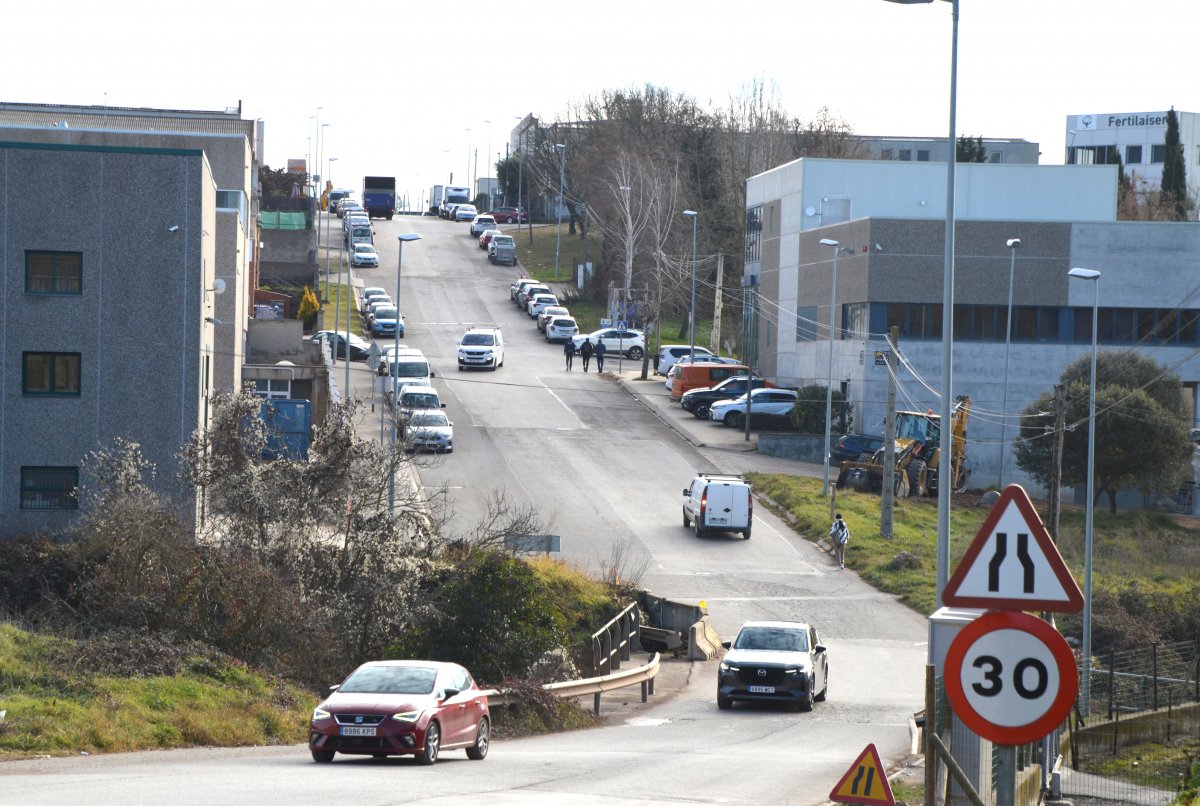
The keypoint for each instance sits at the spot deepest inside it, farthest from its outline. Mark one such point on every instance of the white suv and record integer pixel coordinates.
(481, 347)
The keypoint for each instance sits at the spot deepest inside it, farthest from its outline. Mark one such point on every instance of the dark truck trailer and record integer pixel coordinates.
(379, 196)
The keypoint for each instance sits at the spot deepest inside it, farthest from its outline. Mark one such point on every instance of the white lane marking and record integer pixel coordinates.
(582, 425)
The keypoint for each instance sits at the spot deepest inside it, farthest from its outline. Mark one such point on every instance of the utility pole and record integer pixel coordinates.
(1060, 425)
(715, 339)
(888, 499)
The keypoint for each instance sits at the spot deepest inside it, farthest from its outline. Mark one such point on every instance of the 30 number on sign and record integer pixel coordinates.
(993, 676)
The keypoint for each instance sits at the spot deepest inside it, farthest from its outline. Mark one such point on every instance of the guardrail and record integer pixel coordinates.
(611, 643)
(596, 686)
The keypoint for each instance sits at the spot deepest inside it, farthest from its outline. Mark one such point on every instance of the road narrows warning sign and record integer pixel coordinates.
(1013, 564)
(865, 782)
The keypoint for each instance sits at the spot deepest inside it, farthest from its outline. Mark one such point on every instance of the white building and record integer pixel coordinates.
(1137, 138)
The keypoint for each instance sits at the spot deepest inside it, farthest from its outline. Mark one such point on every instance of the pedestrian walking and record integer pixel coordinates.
(598, 351)
(569, 352)
(839, 534)
(585, 352)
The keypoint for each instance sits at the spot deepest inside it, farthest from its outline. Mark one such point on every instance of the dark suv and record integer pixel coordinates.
(850, 447)
(699, 401)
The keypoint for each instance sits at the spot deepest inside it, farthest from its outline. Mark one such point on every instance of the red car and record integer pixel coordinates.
(402, 707)
(509, 215)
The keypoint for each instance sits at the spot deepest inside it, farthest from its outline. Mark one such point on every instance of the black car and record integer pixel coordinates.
(360, 349)
(699, 401)
(852, 446)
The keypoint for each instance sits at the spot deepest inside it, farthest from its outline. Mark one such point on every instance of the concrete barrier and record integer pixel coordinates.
(703, 641)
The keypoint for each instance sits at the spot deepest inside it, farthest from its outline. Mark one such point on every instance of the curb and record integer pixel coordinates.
(669, 423)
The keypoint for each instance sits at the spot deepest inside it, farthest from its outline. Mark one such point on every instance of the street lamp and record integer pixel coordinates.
(628, 216)
(401, 240)
(1085, 688)
(829, 387)
(946, 468)
(1013, 243)
(692, 214)
(489, 170)
(328, 243)
(562, 159)
(468, 174)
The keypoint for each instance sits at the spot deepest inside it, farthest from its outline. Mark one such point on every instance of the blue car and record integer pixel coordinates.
(387, 321)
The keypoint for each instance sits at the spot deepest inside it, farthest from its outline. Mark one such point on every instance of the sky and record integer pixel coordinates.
(414, 90)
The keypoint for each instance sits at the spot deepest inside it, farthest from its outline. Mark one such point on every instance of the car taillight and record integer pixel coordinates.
(703, 504)
(749, 505)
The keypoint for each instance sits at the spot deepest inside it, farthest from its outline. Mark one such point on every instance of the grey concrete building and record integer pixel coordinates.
(892, 275)
(109, 265)
(998, 150)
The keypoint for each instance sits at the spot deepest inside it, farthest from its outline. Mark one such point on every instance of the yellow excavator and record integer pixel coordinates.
(917, 455)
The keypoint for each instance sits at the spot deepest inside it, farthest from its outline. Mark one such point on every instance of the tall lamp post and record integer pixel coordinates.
(328, 243)
(692, 214)
(829, 387)
(946, 469)
(1085, 685)
(401, 240)
(487, 175)
(1013, 243)
(562, 159)
(628, 216)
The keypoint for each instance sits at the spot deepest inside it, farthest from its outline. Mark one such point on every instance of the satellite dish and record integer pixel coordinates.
(219, 286)
(810, 210)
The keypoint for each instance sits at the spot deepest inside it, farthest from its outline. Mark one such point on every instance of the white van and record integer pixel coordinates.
(407, 366)
(718, 501)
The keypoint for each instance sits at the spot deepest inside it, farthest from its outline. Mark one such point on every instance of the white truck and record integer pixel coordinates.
(452, 196)
(720, 502)
(435, 199)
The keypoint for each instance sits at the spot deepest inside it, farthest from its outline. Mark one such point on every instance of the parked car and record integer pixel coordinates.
(386, 320)
(701, 358)
(465, 212)
(699, 401)
(373, 291)
(561, 328)
(763, 403)
(364, 255)
(360, 348)
(375, 303)
(718, 501)
(519, 285)
(415, 396)
(668, 354)
(403, 707)
(538, 302)
(429, 429)
(702, 376)
(509, 215)
(851, 447)
(529, 291)
(481, 223)
(631, 343)
(481, 347)
(409, 365)
(502, 249)
(774, 661)
(485, 237)
(346, 206)
(549, 312)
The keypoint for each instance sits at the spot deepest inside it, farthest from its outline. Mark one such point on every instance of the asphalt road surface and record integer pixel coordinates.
(605, 474)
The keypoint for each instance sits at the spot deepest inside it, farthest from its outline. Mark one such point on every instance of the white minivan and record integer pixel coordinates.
(720, 502)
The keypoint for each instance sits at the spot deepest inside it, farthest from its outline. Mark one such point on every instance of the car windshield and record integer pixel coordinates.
(390, 680)
(410, 369)
(423, 401)
(385, 312)
(485, 339)
(773, 638)
(561, 322)
(433, 418)
(503, 240)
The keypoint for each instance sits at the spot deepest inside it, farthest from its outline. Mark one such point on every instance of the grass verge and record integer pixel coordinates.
(333, 312)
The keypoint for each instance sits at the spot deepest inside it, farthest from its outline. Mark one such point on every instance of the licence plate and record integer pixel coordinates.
(762, 689)
(354, 731)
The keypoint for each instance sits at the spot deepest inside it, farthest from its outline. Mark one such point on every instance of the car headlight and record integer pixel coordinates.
(319, 714)
(407, 716)
(728, 667)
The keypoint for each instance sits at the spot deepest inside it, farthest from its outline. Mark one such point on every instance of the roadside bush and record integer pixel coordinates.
(808, 417)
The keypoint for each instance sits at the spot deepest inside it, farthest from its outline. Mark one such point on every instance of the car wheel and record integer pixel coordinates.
(686, 520)
(700, 532)
(636, 352)
(807, 703)
(746, 533)
(433, 743)
(701, 411)
(483, 735)
(824, 689)
(322, 756)
(724, 703)
(733, 419)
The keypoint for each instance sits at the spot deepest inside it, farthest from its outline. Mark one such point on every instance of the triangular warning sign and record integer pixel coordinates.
(1013, 564)
(864, 782)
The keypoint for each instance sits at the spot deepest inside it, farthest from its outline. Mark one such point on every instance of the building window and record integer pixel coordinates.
(806, 324)
(53, 272)
(922, 155)
(50, 374)
(1133, 155)
(886, 154)
(855, 320)
(272, 389)
(47, 488)
(906, 155)
(995, 157)
(1158, 154)
(754, 220)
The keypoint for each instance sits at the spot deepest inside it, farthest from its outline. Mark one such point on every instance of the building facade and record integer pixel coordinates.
(1136, 139)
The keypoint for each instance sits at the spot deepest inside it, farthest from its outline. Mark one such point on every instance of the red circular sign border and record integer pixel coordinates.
(1067, 672)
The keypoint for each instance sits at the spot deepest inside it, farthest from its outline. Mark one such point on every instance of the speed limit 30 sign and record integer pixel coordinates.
(1010, 677)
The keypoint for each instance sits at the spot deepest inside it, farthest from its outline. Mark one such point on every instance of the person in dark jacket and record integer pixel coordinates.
(585, 352)
(599, 352)
(569, 352)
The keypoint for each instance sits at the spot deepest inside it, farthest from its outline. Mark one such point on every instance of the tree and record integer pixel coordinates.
(968, 150)
(309, 307)
(809, 415)
(1174, 181)
(1142, 422)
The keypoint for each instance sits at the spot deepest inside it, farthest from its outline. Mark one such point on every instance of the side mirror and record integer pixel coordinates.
(451, 692)
(687, 491)
(335, 687)
(432, 374)
(443, 405)
(819, 648)
(727, 644)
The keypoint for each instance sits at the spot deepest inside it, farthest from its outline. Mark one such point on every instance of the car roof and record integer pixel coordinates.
(794, 625)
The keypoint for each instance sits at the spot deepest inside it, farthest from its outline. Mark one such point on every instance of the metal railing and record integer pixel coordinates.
(612, 642)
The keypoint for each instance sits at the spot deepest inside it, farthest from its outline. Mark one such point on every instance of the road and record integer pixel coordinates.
(605, 473)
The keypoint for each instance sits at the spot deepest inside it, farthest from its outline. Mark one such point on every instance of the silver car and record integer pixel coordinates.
(429, 430)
